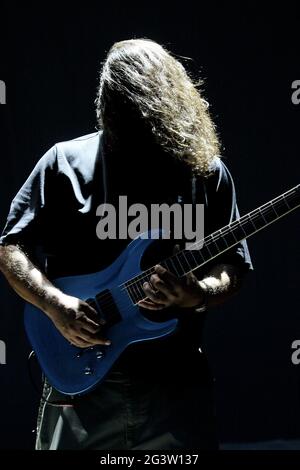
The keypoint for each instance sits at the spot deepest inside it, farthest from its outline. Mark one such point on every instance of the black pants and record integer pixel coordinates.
(128, 411)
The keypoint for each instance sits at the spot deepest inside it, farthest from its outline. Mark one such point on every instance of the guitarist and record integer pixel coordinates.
(155, 137)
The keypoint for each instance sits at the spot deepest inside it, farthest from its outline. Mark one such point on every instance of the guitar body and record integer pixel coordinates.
(72, 370)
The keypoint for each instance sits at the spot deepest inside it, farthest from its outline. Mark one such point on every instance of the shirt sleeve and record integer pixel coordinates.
(25, 222)
(221, 209)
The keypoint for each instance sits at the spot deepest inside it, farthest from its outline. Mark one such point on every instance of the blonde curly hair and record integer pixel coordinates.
(156, 86)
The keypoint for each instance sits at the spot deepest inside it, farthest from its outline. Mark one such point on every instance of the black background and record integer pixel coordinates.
(249, 57)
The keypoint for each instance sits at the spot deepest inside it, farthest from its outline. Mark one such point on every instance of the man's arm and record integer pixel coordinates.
(218, 285)
(77, 321)
(221, 282)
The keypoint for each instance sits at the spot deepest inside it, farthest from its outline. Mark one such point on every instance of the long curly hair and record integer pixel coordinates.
(142, 75)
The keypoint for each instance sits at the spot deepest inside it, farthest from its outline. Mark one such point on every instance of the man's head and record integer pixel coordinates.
(144, 90)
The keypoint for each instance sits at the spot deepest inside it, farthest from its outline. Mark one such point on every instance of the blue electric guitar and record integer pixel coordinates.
(115, 291)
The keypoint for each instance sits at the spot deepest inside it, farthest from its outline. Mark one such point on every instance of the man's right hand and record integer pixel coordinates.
(77, 321)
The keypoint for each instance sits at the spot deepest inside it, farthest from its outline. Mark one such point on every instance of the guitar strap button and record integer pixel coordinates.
(88, 371)
(99, 354)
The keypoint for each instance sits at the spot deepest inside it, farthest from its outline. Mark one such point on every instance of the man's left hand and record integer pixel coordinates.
(166, 290)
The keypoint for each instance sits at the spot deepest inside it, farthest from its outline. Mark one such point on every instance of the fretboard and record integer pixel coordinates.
(220, 241)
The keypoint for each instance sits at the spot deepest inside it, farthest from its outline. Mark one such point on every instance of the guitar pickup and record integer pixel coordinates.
(107, 307)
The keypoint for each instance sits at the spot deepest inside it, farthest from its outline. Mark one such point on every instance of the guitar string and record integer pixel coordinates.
(129, 302)
(247, 218)
(209, 240)
(146, 274)
(212, 238)
(109, 301)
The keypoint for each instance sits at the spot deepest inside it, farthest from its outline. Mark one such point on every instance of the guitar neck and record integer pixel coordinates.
(220, 241)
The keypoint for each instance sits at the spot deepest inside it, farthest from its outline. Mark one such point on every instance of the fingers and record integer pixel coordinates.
(79, 342)
(84, 339)
(154, 295)
(88, 330)
(150, 305)
(165, 287)
(168, 277)
(82, 343)
(88, 324)
(91, 313)
(161, 291)
(90, 319)
(93, 340)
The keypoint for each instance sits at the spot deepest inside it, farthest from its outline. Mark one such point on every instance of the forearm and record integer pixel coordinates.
(27, 280)
(221, 283)
(76, 320)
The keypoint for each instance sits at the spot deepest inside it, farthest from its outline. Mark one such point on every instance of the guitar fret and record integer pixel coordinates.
(269, 213)
(224, 239)
(262, 215)
(135, 294)
(141, 293)
(190, 260)
(259, 220)
(183, 261)
(229, 237)
(232, 232)
(273, 207)
(293, 200)
(193, 256)
(174, 269)
(238, 232)
(197, 254)
(131, 294)
(178, 267)
(206, 255)
(168, 265)
(206, 246)
(221, 238)
(284, 199)
(137, 290)
(214, 241)
(281, 207)
(250, 219)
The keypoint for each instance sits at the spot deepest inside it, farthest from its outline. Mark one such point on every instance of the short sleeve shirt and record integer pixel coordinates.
(53, 216)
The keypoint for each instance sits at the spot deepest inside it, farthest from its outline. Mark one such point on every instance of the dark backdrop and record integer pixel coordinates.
(249, 57)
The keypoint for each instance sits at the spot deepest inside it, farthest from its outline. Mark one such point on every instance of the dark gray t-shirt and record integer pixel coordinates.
(53, 217)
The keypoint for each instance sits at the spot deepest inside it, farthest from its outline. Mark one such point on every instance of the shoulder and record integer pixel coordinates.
(76, 148)
(79, 152)
(73, 151)
(77, 155)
